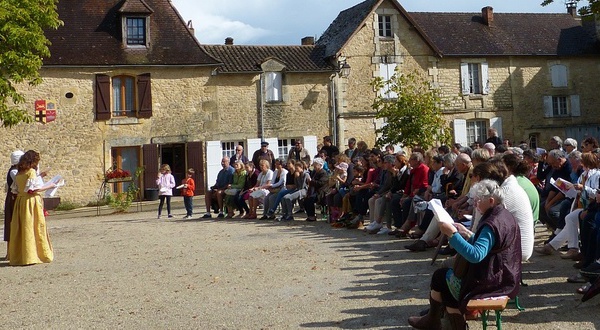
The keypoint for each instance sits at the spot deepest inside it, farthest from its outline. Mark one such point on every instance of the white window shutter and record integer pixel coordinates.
(383, 73)
(575, 109)
(310, 144)
(274, 146)
(460, 131)
(253, 145)
(547, 106)
(485, 79)
(277, 83)
(273, 86)
(464, 78)
(496, 122)
(391, 72)
(558, 72)
(214, 154)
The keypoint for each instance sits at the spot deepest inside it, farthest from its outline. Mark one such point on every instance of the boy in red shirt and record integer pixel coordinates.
(188, 193)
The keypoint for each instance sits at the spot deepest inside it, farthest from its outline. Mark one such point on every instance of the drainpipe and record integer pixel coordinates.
(262, 106)
(334, 106)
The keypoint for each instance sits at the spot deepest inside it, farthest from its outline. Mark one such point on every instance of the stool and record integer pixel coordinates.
(497, 304)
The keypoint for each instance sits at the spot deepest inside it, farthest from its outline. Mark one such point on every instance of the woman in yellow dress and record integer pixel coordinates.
(29, 241)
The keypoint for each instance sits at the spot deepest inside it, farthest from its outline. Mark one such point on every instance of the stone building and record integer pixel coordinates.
(530, 76)
(129, 86)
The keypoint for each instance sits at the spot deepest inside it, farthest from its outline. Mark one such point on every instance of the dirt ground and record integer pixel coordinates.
(133, 271)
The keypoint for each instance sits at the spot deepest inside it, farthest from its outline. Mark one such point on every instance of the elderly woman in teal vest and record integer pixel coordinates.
(492, 256)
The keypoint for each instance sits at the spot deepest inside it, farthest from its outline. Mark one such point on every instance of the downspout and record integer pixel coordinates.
(262, 106)
(334, 106)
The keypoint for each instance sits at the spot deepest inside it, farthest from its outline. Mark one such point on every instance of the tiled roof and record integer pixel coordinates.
(242, 58)
(91, 36)
(344, 26)
(135, 6)
(509, 34)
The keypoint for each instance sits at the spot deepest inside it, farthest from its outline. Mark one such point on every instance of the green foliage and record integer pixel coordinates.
(122, 201)
(593, 6)
(415, 117)
(66, 206)
(23, 45)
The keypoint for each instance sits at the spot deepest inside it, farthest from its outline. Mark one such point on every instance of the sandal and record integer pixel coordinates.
(578, 278)
(415, 235)
(584, 288)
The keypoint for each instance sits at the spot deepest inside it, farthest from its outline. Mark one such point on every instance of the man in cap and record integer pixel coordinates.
(263, 153)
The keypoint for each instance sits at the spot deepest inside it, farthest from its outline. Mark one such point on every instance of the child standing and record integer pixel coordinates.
(188, 193)
(166, 183)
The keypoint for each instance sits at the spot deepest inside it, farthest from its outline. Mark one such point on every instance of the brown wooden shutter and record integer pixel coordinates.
(144, 95)
(102, 97)
(151, 165)
(195, 158)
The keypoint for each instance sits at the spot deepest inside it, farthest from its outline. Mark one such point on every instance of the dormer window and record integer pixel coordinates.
(135, 31)
(385, 26)
(135, 18)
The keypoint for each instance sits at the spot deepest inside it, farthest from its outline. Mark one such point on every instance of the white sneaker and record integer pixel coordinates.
(371, 226)
(384, 231)
(187, 217)
(374, 227)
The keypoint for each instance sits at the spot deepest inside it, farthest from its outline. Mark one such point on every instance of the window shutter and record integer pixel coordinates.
(391, 70)
(214, 154)
(144, 96)
(460, 131)
(195, 160)
(575, 109)
(102, 97)
(496, 122)
(464, 78)
(150, 159)
(485, 80)
(547, 106)
(273, 86)
(558, 72)
(310, 144)
(273, 146)
(383, 73)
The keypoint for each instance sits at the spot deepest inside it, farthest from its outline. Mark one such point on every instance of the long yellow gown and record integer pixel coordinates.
(29, 241)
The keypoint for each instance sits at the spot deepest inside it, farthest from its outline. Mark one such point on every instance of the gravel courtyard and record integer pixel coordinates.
(133, 271)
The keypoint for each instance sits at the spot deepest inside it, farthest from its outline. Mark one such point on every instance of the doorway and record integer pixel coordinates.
(174, 156)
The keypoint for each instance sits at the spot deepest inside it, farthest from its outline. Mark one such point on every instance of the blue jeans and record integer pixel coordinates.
(189, 205)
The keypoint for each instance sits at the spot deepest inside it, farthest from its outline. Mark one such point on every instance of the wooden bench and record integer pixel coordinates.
(497, 304)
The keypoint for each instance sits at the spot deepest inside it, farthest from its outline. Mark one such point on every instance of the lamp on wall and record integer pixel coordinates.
(344, 69)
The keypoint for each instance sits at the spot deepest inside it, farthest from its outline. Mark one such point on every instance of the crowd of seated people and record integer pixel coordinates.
(388, 193)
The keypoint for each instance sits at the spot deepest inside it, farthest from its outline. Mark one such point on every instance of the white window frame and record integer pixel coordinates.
(561, 106)
(474, 78)
(384, 24)
(128, 100)
(476, 131)
(284, 146)
(125, 31)
(228, 147)
(273, 86)
(386, 72)
(559, 76)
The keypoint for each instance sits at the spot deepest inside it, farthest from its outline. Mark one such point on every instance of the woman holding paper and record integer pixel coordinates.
(166, 183)
(492, 255)
(29, 241)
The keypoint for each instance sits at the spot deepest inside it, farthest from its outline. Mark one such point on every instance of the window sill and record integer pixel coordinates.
(381, 38)
(123, 121)
(475, 96)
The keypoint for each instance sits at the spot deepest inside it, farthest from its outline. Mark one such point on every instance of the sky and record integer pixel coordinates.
(285, 22)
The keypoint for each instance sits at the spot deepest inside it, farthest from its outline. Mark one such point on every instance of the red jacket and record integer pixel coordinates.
(418, 179)
(189, 191)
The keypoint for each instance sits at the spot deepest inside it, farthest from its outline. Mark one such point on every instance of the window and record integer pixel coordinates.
(127, 159)
(229, 147)
(533, 140)
(385, 26)
(273, 86)
(558, 73)
(561, 106)
(284, 147)
(474, 78)
(123, 96)
(386, 71)
(135, 29)
(476, 131)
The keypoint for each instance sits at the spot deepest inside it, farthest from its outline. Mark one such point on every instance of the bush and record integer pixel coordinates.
(66, 206)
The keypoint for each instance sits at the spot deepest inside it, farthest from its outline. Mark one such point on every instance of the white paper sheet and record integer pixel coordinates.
(58, 181)
(440, 212)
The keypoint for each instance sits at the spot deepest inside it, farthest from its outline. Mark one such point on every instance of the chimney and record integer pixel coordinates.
(229, 41)
(572, 8)
(190, 26)
(488, 15)
(307, 41)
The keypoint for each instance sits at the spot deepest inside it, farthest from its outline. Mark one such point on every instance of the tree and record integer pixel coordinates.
(23, 46)
(593, 6)
(414, 118)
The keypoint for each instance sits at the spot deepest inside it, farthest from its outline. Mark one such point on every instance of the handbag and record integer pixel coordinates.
(231, 191)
